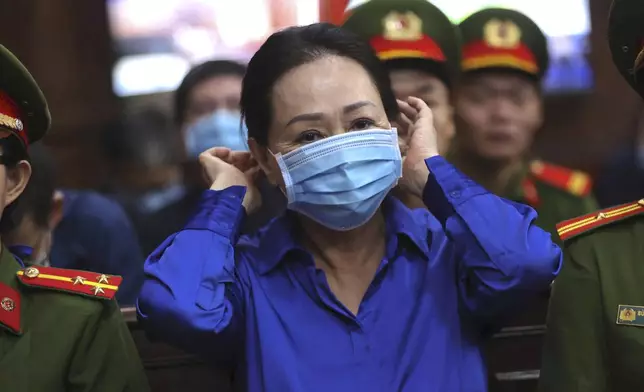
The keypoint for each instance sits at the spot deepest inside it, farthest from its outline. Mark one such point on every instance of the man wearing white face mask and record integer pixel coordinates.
(206, 107)
(223, 127)
(206, 111)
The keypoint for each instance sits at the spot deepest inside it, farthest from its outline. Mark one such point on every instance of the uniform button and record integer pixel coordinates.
(455, 194)
(32, 272)
(7, 304)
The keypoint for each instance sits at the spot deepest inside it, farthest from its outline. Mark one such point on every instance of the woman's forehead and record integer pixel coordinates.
(323, 85)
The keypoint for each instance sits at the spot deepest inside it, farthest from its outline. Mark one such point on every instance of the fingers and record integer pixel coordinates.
(421, 108)
(253, 174)
(218, 152)
(407, 110)
(418, 104)
(404, 125)
(242, 160)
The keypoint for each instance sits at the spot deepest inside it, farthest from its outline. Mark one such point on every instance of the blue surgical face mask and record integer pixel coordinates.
(341, 181)
(219, 129)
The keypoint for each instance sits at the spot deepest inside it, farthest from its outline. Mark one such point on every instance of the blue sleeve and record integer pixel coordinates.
(502, 257)
(192, 296)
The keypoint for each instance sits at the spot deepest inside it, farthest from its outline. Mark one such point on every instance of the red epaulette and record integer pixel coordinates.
(573, 227)
(84, 283)
(9, 308)
(573, 181)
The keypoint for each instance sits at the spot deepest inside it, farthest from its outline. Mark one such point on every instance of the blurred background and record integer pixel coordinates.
(110, 69)
(99, 61)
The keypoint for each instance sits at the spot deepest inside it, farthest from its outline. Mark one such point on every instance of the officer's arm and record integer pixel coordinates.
(105, 357)
(192, 296)
(502, 257)
(574, 357)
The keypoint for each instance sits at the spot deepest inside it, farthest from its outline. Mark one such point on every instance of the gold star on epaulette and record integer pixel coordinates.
(79, 280)
(97, 290)
(103, 279)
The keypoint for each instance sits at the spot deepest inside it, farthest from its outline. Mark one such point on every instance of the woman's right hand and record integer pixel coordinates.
(224, 168)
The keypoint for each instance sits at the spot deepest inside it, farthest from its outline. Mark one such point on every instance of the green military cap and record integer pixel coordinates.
(626, 40)
(409, 33)
(498, 38)
(23, 108)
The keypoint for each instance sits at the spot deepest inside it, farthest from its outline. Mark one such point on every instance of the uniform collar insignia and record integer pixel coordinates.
(9, 308)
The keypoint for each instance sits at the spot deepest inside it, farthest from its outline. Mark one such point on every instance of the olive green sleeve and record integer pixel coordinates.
(106, 358)
(574, 352)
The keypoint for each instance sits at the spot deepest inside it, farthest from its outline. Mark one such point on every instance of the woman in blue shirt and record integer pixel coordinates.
(350, 290)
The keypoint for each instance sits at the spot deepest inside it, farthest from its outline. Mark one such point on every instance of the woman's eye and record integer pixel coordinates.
(362, 124)
(309, 137)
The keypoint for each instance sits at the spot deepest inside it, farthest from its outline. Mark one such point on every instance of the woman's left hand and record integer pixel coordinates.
(417, 122)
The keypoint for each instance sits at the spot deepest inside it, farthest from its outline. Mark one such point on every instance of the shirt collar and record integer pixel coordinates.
(279, 237)
(9, 265)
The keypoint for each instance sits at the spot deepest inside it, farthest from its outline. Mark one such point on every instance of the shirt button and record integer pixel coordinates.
(455, 194)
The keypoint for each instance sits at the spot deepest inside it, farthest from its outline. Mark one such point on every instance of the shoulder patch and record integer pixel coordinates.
(10, 309)
(573, 227)
(573, 181)
(85, 283)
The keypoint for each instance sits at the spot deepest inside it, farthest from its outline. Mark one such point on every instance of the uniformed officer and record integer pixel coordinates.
(595, 338)
(499, 110)
(421, 49)
(61, 329)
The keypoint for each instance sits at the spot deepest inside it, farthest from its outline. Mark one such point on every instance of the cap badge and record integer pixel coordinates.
(503, 34)
(405, 26)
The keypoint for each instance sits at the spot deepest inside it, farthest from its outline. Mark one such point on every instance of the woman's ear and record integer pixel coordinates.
(266, 162)
(17, 180)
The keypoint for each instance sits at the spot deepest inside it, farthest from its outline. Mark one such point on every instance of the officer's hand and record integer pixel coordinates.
(417, 123)
(224, 168)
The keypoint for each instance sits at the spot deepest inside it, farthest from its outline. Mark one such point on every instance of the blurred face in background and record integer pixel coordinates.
(415, 83)
(498, 115)
(221, 92)
(212, 116)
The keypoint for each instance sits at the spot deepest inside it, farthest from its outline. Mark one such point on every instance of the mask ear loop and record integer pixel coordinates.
(288, 192)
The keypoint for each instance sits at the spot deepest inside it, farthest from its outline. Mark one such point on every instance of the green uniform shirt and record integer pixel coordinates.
(66, 342)
(549, 193)
(595, 338)
(592, 343)
(556, 193)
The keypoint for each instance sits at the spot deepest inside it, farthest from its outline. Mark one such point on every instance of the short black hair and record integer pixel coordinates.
(37, 198)
(295, 46)
(198, 75)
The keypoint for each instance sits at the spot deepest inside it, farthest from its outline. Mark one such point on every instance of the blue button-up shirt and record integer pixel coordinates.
(260, 303)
